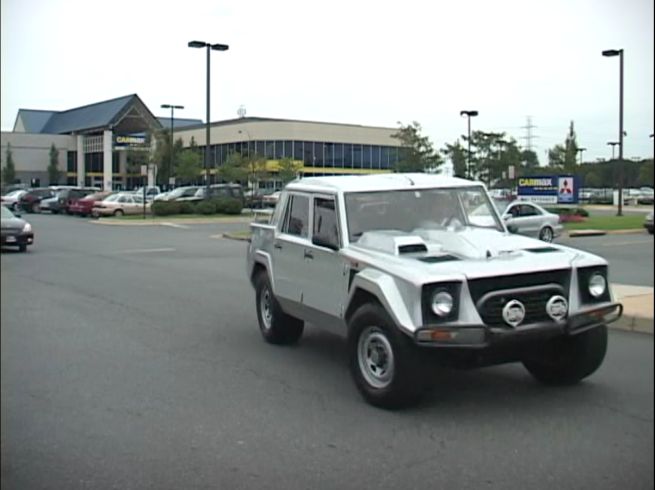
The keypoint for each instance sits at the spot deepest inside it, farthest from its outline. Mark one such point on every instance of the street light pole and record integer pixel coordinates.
(170, 156)
(215, 47)
(612, 144)
(581, 151)
(619, 53)
(469, 115)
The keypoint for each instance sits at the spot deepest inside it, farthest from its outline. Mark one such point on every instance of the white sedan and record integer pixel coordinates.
(530, 219)
(120, 204)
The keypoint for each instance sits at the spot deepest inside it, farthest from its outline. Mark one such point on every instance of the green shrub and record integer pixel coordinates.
(165, 208)
(228, 205)
(569, 211)
(187, 207)
(206, 207)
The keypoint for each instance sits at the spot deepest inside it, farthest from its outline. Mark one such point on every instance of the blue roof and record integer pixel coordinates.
(100, 114)
(178, 122)
(34, 120)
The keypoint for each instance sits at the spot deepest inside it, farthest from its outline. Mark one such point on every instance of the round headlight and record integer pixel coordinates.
(597, 285)
(442, 303)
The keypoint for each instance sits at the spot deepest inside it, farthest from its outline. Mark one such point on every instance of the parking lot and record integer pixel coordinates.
(131, 358)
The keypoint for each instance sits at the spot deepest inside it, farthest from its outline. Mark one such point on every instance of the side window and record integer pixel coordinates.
(325, 219)
(297, 218)
(527, 210)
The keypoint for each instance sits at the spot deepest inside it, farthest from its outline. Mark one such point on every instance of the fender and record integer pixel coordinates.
(385, 288)
(263, 258)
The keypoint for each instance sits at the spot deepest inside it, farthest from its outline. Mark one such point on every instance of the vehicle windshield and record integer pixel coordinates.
(453, 209)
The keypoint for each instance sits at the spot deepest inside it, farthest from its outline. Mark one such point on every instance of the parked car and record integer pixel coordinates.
(84, 206)
(151, 192)
(50, 204)
(216, 191)
(648, 222)
(178, 193)
(16, 232)
(31, 200)
(401, 265)
(68, 197)
(11, 198)
(271, 200)
(646, 196)
(119, 204)
(530, 219)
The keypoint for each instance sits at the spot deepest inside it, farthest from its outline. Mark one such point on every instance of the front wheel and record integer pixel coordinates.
(546, 234)
(384, 363)
(567, 360)
(118, 213)
(276, 326)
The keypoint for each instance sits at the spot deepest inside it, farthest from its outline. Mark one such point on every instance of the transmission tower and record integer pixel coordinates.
(529, 135)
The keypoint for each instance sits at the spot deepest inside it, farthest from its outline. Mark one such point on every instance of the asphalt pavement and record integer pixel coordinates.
(131, 359)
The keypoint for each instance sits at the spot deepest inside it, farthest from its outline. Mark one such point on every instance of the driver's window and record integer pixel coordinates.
(325, 220)
(297, 218)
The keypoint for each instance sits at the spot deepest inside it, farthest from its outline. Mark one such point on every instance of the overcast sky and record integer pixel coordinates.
(351, 61)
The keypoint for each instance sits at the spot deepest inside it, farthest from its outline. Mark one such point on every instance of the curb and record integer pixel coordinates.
(230, 236)
(633, 324)
(151, 222)
(627, 231)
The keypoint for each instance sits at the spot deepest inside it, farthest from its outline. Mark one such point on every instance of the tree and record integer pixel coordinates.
(458, 155)
(188, 166)
(565, 156)
(416, 152)
(493, 154)
(529, 159)
(53, 167)
(234, 169)
(9, 172)
(288, 170)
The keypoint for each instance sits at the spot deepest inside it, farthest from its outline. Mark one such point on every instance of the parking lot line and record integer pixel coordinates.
(146, 250)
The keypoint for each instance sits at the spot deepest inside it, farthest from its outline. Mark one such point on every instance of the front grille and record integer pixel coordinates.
(491, 309)
(480, 287)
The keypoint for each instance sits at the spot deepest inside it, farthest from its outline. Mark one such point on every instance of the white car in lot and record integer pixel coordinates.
(418, 269)
(530, 219)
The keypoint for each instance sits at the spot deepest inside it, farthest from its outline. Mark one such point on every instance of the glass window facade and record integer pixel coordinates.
(313, 153)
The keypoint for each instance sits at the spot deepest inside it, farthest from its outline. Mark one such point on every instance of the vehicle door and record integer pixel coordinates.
(324, 279)
(290, 243)
(528, 220)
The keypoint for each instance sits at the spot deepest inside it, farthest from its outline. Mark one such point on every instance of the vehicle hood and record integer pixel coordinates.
(473, 252)
(13, 224)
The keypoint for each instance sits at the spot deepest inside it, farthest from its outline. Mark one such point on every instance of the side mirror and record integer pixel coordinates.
(325, 241)
(507, 217)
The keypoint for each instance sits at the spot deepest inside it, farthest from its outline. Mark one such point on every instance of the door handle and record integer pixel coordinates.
(309, 254)
(278, 246)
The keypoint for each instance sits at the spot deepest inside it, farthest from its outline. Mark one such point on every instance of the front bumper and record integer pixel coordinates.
(483, 336)
(17, 239)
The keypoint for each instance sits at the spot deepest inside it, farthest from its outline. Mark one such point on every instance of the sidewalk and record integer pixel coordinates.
(637, 308)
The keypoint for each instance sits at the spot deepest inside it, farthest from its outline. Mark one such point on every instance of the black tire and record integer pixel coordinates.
(118, 213)
(386, 366)
(567, 360)
(275, 325)
(54, 211)
(22, 248)
(546, 234)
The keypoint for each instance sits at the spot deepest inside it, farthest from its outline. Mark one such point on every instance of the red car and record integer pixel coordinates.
(84, 206)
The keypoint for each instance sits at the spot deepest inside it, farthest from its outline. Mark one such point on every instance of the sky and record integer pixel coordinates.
(371, 62)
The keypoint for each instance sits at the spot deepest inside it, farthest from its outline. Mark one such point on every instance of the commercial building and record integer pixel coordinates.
(92, 141)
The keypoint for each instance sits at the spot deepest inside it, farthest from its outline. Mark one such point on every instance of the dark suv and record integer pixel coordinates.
(31, 201)
(234, 191)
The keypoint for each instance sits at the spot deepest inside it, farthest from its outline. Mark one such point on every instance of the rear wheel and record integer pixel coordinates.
(546, 234)
(276, 326)
(119, 212)
(384, 363)
(567, 360)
